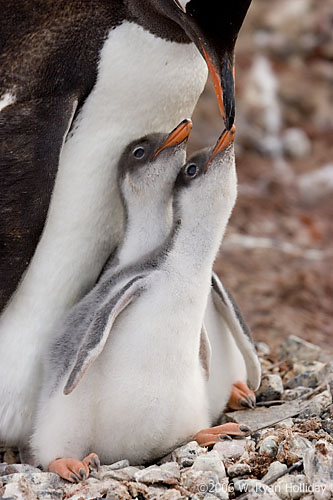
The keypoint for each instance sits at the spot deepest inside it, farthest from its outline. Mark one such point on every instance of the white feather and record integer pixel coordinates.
(6, 100)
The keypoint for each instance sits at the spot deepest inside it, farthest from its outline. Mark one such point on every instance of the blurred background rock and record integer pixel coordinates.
(277, 257)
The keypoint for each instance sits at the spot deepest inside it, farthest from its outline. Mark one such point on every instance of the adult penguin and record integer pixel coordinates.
(79, 79)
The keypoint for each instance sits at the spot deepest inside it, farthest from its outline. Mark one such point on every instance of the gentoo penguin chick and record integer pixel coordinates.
(234, 362)
(146, 175)
(119, 377)
(233, 357)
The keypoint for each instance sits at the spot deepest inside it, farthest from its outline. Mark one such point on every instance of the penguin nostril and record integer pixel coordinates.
(139, 153)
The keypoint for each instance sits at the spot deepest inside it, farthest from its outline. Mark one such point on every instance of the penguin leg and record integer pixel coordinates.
(213, 435)
(69, 468)
(241, 397)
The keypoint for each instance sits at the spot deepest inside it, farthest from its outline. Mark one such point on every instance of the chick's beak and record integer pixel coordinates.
(226, 138)
(180, 134)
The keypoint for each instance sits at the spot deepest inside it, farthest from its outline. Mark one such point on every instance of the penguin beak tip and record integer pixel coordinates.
(226, 138)
(178, 135)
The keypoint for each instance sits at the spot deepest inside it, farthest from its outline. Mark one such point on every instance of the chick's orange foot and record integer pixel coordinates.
(74, 470)
(241, 397)
(213, 435)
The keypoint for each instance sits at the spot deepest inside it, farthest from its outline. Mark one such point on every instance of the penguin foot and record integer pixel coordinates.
(241, 397)
(213, 435)
(74, 470)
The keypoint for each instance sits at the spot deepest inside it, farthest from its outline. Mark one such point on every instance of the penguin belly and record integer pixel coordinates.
(144, 394)
(144, 84)
(227, 363)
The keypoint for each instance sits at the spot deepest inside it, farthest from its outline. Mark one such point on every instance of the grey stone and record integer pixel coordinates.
(269, 446)
(155, 493)
(271, 388)
(307, 366)
(6, 469)
(262, 348)
(167, 473)
(211, 461)
(245, 485)
(232, 449)
(139, 490)
(315, 373)
(306, 379)
(43, 479)
(317, 405)
(121, 464)
(265, 417)
(299, 445)
(291, 486)
(327, 424)
(34, 485)
(295, 348)
(124, 474)
(239, 470)
(185, 455)
(210, 496)
(296, 393)
(256, 489)
(95, 489)
(296, 143)
(316, 185)
(20, 490)
(274, 469)
(262, 493)
(202, 483)
(327, 372)
(318, 467)
(288, 423)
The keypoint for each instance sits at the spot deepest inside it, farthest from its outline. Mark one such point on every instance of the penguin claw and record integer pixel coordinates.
(92, 461)
(225, 437)
(213, 435)
(95, 463)
(246, 402)
(74, 477)
(83, 474)
(241, 397)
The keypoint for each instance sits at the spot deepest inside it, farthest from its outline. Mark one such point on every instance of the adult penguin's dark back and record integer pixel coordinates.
(42, 77)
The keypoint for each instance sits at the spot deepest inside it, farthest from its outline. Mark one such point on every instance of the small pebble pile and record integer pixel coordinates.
(289, 454)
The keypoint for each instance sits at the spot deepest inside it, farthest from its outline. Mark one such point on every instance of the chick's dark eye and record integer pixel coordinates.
(191, 170)
(139, 152)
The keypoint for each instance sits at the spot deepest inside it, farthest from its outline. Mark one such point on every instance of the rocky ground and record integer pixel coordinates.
(288, 454)
(276, 260)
